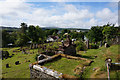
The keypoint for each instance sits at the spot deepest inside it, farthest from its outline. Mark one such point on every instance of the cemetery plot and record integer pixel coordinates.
(64, 65)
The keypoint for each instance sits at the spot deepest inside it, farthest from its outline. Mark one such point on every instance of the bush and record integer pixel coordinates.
(94, 46)
(80, 46)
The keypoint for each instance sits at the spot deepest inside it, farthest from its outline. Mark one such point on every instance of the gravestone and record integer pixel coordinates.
(17, 62)
(88, 44)
(40, 57)
(7, 65)
(100, 43)
(106, 45)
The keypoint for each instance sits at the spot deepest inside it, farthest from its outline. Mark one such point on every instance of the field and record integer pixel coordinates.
(63, 65)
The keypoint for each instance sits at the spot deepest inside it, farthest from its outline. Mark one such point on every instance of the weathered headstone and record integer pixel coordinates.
(106, 45)
(23, 51)
(7, 65)
(40, 57)
(28, 60)
(17, 62)
(88, 44)
(100, 43)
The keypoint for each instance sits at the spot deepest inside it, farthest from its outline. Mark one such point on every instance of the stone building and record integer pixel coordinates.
(68, 47)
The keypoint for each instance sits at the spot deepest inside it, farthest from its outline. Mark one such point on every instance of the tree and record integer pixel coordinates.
(23, 28)
(108, 31)
(5, 38)
(22, 39)
(95, 34)
(31, 33)
(36, 34)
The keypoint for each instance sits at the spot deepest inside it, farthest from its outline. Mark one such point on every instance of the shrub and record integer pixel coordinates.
(80, 46)
(94, 46)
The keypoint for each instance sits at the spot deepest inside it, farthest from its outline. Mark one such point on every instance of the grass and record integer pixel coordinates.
(99, 62)
(22, 70)
(63, 65)
(17, 71)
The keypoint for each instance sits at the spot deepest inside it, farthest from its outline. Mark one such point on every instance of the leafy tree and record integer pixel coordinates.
(51, 32)
(22, 39)
(36, 34)
(5, 38)
(95, 34)
(23, 28)
(31, 33)
(108, 31)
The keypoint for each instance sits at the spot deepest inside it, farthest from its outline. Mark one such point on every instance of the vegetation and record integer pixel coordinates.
(20, 38)
(64, 65)
(21, 70)
(98, 67)
(81, 46)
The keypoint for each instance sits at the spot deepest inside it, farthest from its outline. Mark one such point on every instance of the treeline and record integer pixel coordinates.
(104, 33)
(37, 35)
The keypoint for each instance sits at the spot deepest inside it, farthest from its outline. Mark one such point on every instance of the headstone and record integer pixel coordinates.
(88, 44)
(30, 46)
(33, 46)
(106, 45)
(28, 60)
(23, 51)
(7, 65)
(40, 57)
(100, 43)
(36, 45)
(17, 62)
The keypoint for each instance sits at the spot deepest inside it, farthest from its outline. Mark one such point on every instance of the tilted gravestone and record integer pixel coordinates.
(17, 62)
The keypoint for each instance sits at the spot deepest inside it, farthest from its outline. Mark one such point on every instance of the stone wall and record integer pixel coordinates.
(39, 74)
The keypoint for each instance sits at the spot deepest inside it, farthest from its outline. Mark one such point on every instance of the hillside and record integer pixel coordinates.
(22, 70)
(44, 28)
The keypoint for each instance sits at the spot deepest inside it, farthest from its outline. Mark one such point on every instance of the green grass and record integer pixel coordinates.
(99, 62)
(63, 65)
(17, 71)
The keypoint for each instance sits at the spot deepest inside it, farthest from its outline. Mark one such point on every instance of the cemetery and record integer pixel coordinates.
(79, 65)
(69, 56)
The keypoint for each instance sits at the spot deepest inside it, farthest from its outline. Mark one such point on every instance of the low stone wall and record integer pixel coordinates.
(39, 74)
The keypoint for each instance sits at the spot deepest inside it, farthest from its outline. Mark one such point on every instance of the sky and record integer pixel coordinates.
(58, 13)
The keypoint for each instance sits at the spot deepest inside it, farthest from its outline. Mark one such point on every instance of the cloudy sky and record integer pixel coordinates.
(58, 13)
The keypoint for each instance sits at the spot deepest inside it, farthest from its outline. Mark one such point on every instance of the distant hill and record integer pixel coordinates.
(44, 28)
(65, 28)
(8, 28)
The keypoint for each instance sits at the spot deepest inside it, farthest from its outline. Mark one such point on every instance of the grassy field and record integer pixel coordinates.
(63, 65)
